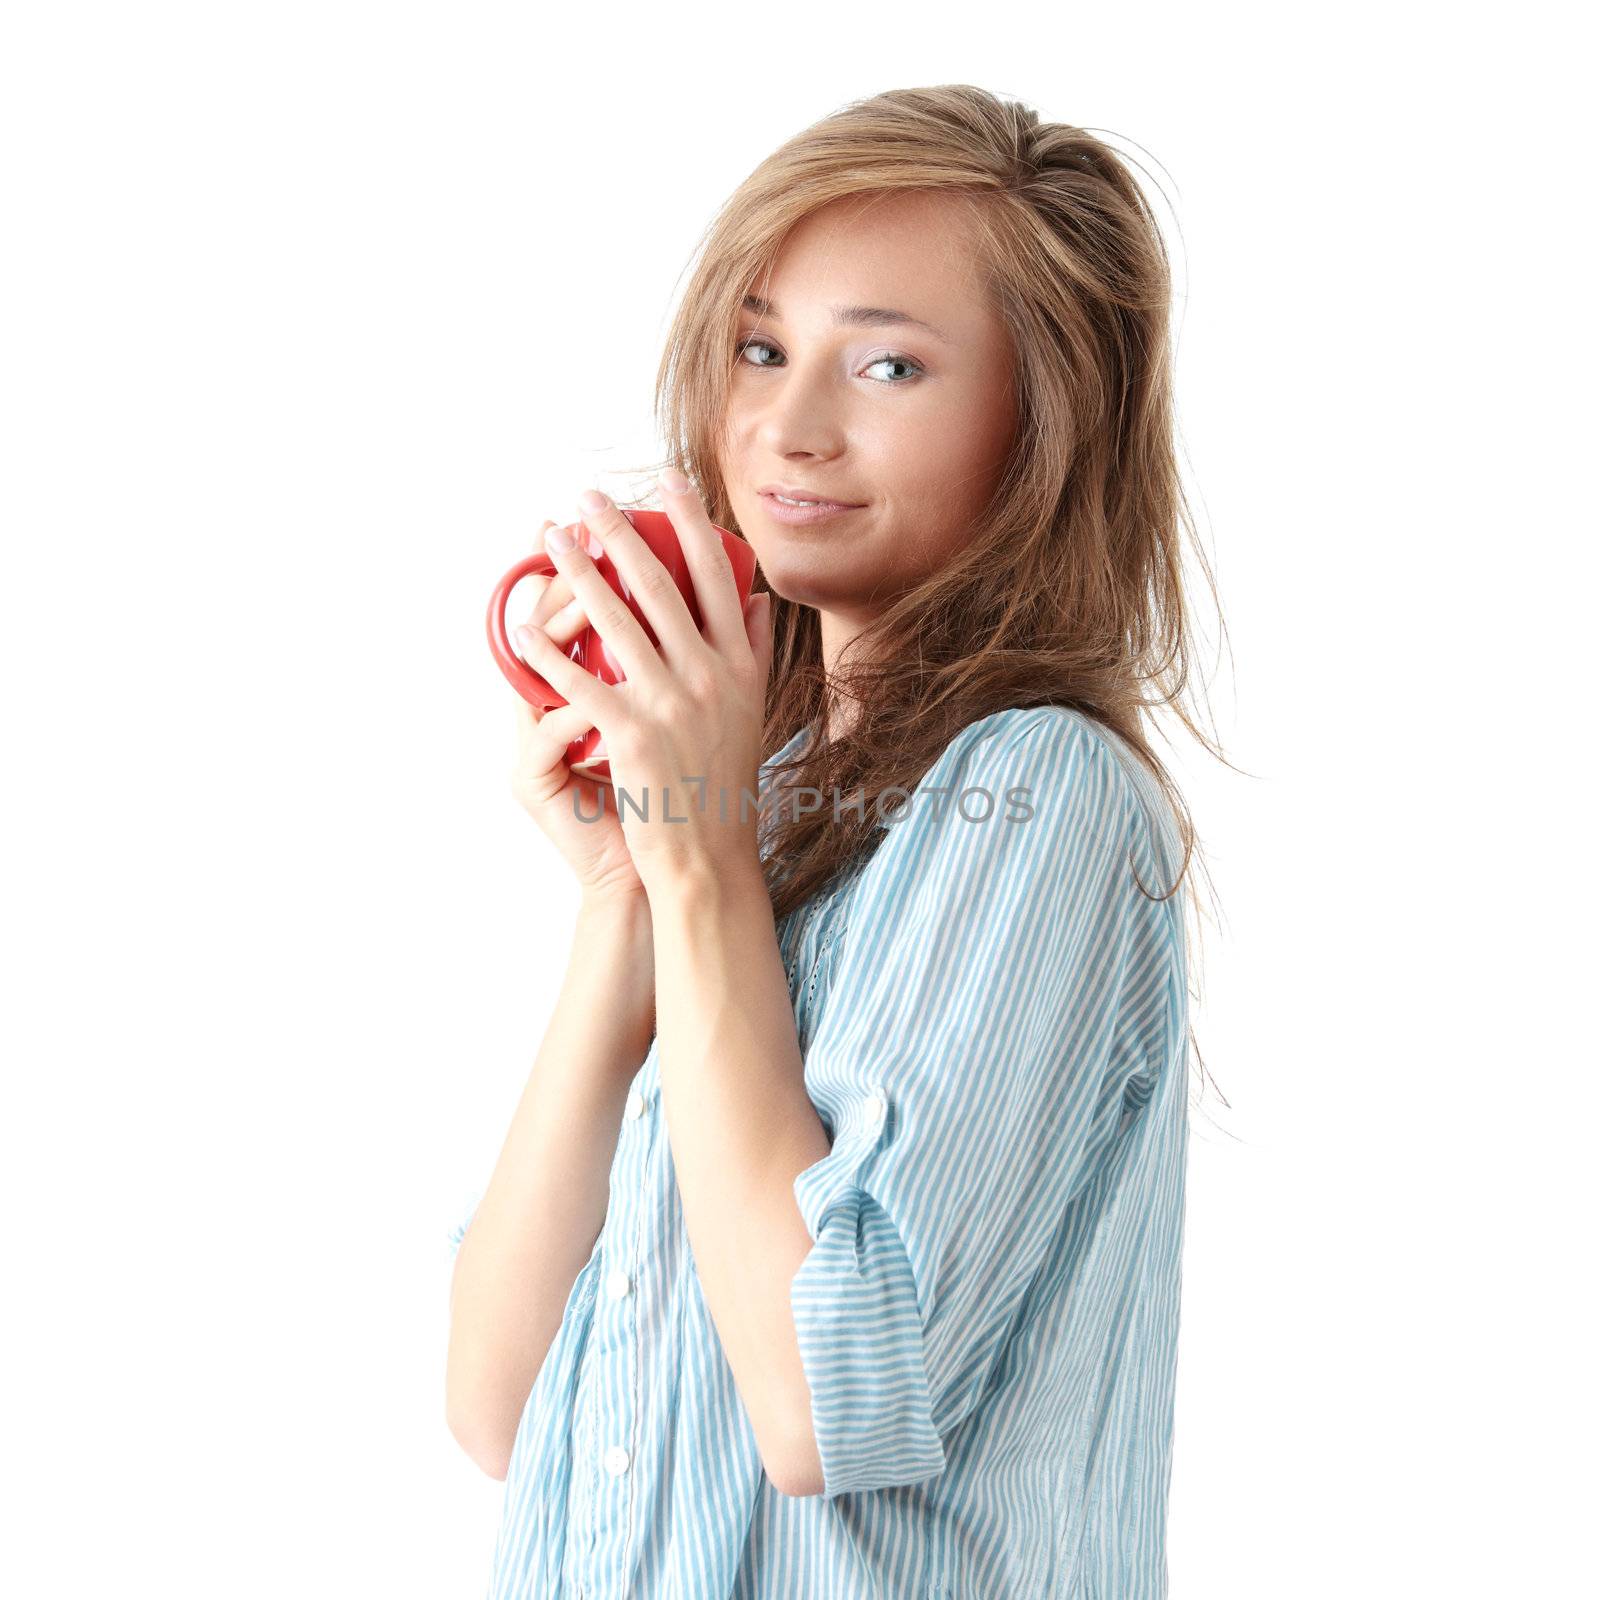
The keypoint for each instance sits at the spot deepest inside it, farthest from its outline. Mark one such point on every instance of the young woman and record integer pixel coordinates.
(834, 1249)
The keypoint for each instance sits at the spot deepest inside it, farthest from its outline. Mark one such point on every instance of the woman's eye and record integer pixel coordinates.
(752, 344)
(878, 361)
(898, 361)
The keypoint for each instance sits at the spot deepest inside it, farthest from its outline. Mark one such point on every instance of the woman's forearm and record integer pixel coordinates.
(545, 1202)
(742, 1128)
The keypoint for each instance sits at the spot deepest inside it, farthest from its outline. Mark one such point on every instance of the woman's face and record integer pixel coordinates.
(908, 425)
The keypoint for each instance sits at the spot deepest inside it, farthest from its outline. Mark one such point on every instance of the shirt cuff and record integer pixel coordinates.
(858, 1323)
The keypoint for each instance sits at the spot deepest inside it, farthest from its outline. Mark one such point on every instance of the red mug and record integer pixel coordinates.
(586, 754)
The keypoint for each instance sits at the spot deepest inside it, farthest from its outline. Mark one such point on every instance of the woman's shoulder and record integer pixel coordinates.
(1044, 765)
(1082, 760)
(1048, 726)
(1044, 733)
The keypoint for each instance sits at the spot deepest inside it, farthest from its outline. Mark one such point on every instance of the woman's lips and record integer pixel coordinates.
(800, 516)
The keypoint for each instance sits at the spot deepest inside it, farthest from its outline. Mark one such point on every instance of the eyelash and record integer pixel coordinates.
(741, 345)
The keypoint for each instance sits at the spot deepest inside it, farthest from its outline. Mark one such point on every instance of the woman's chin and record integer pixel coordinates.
(805, 582)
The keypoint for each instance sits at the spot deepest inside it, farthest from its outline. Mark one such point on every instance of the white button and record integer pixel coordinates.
(876, 1106)
(635, 1105)
(616, 1461)
(618, 1283)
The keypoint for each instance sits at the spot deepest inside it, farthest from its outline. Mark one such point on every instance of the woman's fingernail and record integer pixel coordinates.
(674, 481)
(591, 501)
(558, 540)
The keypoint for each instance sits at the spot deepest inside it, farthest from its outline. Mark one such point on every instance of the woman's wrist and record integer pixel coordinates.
(613, 946)
(624, 908)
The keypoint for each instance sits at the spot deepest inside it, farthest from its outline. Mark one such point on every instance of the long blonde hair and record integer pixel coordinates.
(1071, 589)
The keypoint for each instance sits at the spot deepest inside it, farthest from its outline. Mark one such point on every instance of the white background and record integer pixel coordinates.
(313, 312)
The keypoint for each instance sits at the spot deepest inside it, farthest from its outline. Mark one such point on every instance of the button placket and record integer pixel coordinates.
(800, 935)
(831, 910)
(620, 1284)
(834, 935)
(611, 1463)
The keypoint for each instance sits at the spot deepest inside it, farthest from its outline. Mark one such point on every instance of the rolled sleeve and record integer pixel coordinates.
(858, 1323)
(970, 1066)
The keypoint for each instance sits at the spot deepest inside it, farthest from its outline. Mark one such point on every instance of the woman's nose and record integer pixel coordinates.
(804, 418)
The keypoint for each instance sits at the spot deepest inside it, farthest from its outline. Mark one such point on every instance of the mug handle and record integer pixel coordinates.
(528, 683)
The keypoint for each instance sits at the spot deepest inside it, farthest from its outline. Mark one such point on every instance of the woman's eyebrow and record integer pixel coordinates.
(852, 316)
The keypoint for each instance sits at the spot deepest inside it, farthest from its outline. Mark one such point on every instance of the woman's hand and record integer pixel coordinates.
(553, 796)
(683, 730)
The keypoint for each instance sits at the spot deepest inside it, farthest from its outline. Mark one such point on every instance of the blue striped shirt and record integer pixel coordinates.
(992, 1018)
